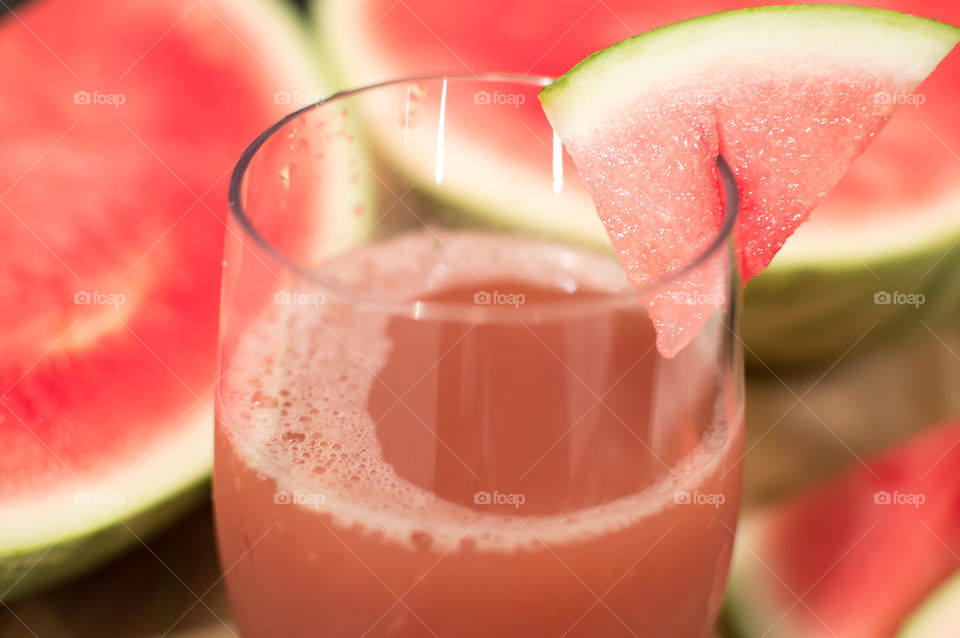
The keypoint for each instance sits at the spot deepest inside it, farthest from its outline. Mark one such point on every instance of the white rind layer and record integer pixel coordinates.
(144, 478)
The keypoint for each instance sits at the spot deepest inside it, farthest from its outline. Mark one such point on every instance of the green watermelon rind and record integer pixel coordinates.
(33, 561)
(24, 571)
(49, 538)
(801, 314)
(938, 615)
(674, 37)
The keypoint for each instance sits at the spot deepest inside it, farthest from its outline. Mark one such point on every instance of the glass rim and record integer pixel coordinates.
(731, 210)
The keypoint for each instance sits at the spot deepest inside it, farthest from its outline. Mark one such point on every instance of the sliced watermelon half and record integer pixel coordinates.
(120, 126)
(854, 556)
(788, 95)
(890, 224)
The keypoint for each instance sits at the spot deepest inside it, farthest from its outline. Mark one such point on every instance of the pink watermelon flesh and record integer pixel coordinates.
(105, 197)
(650, 171)
(663, 212)
(854, 556)
(789, 127)
(789, 141)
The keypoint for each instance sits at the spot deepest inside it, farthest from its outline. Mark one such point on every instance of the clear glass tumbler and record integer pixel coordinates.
(441, 410)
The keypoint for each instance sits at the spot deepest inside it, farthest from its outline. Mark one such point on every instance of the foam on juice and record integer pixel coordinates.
(295, 406)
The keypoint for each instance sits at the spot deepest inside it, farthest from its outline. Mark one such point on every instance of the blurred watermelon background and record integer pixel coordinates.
(838, 370)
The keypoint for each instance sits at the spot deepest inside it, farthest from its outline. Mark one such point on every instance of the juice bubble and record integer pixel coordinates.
(261, 399)
(294, 437)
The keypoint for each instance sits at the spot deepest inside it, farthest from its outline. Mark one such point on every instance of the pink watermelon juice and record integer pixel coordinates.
(509, 457)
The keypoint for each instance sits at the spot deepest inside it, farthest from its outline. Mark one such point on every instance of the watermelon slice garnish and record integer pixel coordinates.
(790, 96)
(857, 554)
(121, 122)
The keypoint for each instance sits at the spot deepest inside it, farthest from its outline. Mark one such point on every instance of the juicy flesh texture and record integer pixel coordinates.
(788, 141)
(113, 198)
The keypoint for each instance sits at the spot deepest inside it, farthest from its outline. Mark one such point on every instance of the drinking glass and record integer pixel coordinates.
(441, 409)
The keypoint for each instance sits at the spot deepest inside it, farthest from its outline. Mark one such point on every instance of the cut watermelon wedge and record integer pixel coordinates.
(890, 224)
(939, 615)
(120, 127)
(854, 556)
(790, 96)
